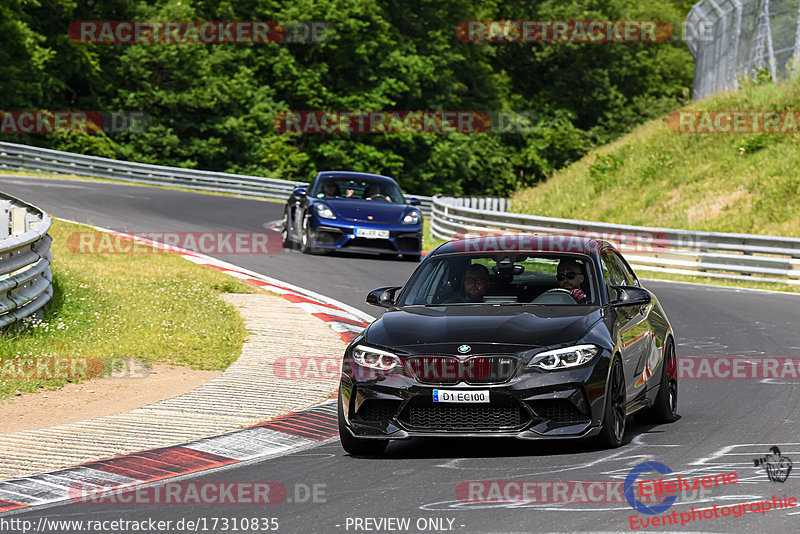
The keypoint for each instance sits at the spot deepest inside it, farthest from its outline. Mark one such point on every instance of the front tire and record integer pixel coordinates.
(613, 429)
(357, 446)
(305, 237)
(665, 406)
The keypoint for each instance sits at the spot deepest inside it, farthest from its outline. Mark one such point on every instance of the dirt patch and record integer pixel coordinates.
(96, 398)
(713, 204)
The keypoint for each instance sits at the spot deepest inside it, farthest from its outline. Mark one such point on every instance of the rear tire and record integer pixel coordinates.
(411, 257)
(285, 234)
(357, 446)
(665, 406)
(613, 429)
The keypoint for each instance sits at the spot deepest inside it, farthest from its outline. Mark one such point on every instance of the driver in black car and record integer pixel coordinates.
(570, 277)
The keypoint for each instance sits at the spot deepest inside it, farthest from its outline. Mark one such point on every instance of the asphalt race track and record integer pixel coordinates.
(725, 424)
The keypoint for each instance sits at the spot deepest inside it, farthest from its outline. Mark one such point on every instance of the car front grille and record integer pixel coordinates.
(408, 243)
(465, 417)
(558, 410)
(443, 370)
(371, 243)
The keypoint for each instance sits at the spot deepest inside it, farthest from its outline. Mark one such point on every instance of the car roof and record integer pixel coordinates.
(354, 175)
(524, 243)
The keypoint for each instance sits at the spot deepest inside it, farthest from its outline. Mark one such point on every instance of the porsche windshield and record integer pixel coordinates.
(381, 191)
(531, 278)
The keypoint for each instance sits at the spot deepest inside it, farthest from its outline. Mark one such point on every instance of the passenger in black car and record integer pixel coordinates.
(476, 282)
(570, 277)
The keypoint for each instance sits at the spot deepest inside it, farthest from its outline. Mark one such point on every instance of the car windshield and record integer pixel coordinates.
(374, 190)
(522, 279)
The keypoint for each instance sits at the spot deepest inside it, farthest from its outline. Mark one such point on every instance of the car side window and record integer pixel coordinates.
(626, 270)
(612, 274)
(434, 276)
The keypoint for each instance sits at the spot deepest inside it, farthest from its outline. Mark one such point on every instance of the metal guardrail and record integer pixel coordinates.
(708, 254)
(24, 157)
(481, 203)
(25, 277)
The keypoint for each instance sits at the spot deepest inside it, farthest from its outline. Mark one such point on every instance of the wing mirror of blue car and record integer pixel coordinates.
(382, 297)
(630, 296)
(414, 201)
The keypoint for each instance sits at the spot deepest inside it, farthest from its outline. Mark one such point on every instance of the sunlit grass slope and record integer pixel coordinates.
(656, 177)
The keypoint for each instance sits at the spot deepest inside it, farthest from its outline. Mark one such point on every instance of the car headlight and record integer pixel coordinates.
(553, 360)
(412, 217)
(324, 211)
(373, 358)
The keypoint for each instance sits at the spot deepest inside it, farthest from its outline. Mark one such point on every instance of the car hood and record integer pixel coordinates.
(360, 210)
(443, 329)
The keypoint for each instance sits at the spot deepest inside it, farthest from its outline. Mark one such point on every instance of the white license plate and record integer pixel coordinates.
(371, 233)
(452, 395)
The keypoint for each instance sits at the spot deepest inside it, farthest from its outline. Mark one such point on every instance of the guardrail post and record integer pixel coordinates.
(18, 226)
(5, 219)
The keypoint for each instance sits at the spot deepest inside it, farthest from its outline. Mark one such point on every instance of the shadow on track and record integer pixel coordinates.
(450, 448)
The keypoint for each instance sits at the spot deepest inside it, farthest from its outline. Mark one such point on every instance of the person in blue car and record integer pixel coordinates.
(374, 192)
(330, 190)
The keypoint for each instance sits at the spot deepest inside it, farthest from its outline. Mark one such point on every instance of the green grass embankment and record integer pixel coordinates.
(656, 176)
(110, 308)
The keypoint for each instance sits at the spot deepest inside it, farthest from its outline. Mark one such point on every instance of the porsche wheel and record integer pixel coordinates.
(305, 238)
(285, 234)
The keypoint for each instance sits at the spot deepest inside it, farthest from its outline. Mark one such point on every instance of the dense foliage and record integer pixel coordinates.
(212, 105)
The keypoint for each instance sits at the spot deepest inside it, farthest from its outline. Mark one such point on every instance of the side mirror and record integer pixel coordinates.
(630, 296)
(300, 191)
(383, 296)
(414, 201)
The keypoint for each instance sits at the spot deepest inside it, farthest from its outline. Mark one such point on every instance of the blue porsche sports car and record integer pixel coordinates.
(353, 211)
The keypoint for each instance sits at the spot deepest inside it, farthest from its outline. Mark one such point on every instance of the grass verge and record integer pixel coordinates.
(718, 282)
(109, 309)
(428, 241)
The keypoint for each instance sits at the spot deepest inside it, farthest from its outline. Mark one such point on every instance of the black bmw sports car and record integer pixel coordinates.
(526, 336)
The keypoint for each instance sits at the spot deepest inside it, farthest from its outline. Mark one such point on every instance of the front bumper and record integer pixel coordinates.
(334, 234)
(532, 405)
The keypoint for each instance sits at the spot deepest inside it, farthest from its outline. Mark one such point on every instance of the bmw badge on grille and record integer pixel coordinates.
(463, 349)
